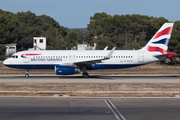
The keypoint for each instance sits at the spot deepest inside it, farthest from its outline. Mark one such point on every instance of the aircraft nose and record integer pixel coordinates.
(5, 62)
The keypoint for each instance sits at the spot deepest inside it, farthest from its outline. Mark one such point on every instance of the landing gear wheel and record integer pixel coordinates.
(85, 75)
(27, 75)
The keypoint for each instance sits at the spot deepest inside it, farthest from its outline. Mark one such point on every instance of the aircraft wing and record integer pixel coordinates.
(87, 62)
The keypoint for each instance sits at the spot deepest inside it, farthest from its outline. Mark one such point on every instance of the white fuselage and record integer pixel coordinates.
(49, 58)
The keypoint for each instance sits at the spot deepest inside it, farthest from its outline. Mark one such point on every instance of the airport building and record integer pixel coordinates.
(10, 48)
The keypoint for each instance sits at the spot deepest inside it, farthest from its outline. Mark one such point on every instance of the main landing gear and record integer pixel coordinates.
(85, 75)
(27, 73)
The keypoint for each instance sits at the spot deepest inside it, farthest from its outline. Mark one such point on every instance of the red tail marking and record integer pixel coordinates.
(173, 54)
(166, 31)
(156, 49)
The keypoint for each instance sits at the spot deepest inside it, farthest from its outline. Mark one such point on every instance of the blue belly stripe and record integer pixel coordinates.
(93, 67)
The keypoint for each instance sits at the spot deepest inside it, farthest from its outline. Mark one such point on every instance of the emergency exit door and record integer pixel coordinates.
(140, 57)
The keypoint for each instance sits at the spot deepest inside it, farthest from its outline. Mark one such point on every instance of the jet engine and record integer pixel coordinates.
(66, 70)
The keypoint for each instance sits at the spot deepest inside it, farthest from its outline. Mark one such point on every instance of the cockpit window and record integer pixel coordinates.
(14, 56)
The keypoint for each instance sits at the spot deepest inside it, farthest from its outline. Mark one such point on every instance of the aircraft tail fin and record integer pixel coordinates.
(159, 42)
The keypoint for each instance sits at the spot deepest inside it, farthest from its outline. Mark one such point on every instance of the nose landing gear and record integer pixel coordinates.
(27, 73)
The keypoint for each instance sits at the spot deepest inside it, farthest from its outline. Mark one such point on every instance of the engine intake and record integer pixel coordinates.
(66, 70)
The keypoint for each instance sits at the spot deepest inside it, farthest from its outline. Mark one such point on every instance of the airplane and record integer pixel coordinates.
(68, 62)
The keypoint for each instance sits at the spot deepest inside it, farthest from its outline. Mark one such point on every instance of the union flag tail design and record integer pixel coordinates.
(159, 42)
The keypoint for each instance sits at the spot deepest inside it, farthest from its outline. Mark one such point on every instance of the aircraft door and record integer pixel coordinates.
(26, 60)
(70, 57)
(74, 57)
(140, 57)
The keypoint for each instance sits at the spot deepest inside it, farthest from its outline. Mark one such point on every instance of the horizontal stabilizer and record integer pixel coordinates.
(168, 55)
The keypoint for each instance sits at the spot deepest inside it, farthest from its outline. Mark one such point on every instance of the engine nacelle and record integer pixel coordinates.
(66, 70)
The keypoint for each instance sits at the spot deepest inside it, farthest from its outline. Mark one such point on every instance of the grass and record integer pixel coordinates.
(91, 89)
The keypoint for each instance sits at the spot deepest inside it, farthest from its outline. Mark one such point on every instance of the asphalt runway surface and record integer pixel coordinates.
(57, 108)
(161, 78)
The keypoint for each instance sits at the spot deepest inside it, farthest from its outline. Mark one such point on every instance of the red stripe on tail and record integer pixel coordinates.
(166, 31)
(156, 49)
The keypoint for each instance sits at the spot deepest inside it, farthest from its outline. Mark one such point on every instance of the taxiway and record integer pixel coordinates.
(56, 108)
(141, 78)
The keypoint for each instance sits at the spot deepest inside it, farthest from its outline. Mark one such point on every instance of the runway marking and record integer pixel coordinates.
(116, 113)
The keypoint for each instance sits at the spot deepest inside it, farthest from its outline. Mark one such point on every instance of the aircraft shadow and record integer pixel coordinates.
(92, 77)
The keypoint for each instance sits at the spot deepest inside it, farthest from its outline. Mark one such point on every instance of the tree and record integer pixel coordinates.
(55, 39)
(73, 39)
(174, 44)
(2, 49)
(124, 31)
(8, 23)
(101, 44)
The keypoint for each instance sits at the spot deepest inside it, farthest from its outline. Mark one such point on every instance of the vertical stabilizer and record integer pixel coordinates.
(159, 42)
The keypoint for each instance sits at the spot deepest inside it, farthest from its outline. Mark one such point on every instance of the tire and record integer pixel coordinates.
(26, 75)
(85, 75)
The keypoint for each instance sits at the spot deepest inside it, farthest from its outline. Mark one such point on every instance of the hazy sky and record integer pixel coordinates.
(76, 13)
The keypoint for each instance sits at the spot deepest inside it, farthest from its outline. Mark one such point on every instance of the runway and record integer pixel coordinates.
(56, 108)
(141, 78)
